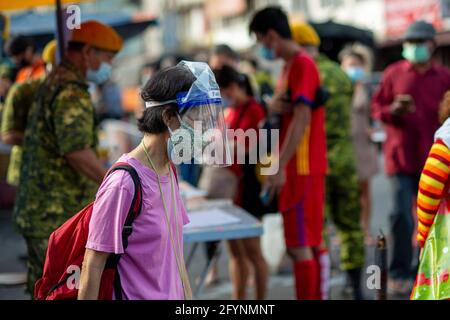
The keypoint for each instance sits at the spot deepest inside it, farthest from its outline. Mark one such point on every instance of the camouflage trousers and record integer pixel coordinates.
(343, 209)
(37, 248)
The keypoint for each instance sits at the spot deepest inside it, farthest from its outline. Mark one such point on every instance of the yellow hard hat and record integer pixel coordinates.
(49, 52)
(305, 35)
(98, 35)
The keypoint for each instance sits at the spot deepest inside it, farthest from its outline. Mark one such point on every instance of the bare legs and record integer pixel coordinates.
(245, 253)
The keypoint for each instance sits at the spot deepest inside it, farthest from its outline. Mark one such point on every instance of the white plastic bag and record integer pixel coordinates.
(272, 241)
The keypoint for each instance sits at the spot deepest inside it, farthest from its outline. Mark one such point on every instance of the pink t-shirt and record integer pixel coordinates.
(148, 269)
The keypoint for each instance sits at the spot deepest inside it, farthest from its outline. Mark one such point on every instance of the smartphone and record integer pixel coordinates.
(265, 196)
(407, 101)
(267, 98)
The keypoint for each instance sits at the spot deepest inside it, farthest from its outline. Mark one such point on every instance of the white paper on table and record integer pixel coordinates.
(190, 193)
(210, 218)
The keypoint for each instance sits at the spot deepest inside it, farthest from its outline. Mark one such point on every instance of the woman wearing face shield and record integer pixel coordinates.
(152, 266)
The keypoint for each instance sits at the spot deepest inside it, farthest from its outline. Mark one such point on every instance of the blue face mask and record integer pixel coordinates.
(101, 75)
(266, 53)
(356, 74)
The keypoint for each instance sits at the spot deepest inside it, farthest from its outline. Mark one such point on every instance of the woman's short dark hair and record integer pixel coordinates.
(228, 75)
(163, 86)
(271, 18)
(226, 50)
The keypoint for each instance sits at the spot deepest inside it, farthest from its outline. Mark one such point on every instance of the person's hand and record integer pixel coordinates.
(280, 103)
(275, 183)
(403, 104)
(370, 131)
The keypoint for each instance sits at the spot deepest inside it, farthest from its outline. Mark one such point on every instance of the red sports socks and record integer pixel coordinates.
(306, 279)
(323, 260)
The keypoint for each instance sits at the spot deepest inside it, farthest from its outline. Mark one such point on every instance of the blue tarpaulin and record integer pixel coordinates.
(41, 26)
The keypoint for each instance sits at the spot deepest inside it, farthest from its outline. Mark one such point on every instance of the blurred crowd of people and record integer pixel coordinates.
(325, 111)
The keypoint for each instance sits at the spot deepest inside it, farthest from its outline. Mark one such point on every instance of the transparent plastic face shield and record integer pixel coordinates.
(201, 137)
(201, 110)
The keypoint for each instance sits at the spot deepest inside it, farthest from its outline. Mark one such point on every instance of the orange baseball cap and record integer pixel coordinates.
(98, 35)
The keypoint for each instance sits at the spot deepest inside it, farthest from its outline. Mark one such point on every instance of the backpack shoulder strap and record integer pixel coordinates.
(136, 203)
(174, 169)
(135, 209)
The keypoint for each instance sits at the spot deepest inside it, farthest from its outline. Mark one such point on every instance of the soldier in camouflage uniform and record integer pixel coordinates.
(342, 192)
(20, 98)
(60, 171)
(343, 205)
(15, 113)
(7, 75)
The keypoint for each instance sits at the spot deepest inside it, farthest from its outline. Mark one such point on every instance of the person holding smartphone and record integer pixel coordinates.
(407, 103)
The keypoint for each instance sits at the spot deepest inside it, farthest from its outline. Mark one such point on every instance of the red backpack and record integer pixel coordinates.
(66, 248)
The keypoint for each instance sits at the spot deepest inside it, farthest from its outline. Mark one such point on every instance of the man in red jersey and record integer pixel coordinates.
(302, 159)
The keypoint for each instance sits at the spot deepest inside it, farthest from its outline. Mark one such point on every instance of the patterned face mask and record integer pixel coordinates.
(180, 135)
(200, 105)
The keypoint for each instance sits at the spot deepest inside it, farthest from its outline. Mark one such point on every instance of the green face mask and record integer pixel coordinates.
(416, 53)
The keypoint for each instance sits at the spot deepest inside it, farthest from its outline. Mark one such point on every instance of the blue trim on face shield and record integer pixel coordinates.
(198, 99)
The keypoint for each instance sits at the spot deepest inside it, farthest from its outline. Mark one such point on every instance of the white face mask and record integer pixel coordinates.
(178, 136)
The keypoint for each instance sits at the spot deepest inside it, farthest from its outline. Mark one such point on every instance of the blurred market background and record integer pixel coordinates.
(155, 30)
(158, 33)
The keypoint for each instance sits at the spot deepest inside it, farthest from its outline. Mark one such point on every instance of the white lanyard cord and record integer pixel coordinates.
(180, 264)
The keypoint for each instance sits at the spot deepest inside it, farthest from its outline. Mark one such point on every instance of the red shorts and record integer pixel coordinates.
(303, 224)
